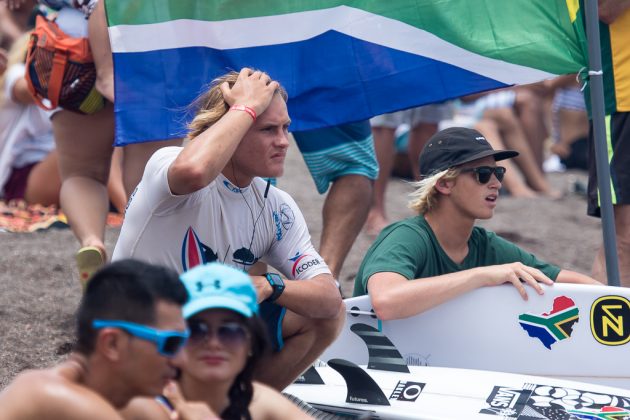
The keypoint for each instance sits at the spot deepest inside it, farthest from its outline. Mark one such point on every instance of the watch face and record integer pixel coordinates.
(275, 279)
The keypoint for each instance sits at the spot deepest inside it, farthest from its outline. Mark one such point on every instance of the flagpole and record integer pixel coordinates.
(596, 86)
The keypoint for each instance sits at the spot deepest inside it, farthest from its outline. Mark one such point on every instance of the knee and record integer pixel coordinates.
(503, 117)
(97, 173)
(326, 330)
(525, 98)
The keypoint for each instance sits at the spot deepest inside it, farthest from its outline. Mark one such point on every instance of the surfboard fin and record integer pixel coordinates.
(362, 389)
(383, 353)
(310, 376)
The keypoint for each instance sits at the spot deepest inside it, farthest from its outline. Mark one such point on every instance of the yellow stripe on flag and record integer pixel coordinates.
(573, 6)
(619, 45)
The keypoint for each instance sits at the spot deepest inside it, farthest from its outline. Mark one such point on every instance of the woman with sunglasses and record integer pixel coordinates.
(227, 342)
(441, 249)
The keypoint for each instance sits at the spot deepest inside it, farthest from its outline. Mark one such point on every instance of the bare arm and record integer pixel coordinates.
(101, 51)
(395, 297)
(203, 158)
(20, 92)
(568, 276)
(142, 408)
(317, 297)
(150, 409)
(3, 61)
(8, 26)
(610, 10)
(56, 399)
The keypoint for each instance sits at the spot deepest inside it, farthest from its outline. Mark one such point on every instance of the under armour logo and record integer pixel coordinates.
(200, 285)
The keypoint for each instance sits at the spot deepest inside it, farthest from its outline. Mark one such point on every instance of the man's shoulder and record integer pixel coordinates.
(275, 193)
(165, 153)
(49, 394)
(411, 226)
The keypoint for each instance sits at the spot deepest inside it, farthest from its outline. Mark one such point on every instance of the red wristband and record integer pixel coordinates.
(245, 108)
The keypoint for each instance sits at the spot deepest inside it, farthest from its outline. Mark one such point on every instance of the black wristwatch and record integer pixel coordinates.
(277, 284)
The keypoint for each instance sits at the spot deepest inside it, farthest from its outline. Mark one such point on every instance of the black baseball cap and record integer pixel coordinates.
(455, 146)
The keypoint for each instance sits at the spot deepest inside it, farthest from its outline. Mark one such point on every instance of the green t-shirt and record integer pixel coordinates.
(410, 248)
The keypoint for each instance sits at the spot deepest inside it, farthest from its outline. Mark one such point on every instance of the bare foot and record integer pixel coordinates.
(523, 192)
(375, 222)
(560, 149)
(551, 193)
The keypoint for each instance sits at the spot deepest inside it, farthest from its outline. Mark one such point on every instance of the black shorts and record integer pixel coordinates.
(273, 315)
(618, 145)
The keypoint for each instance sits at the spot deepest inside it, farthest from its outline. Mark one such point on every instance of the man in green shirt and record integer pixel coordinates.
(441, 246)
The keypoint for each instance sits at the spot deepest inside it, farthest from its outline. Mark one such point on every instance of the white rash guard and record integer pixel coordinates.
(221, 222)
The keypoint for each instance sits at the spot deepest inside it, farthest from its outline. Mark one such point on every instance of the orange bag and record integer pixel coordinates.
(61, 69)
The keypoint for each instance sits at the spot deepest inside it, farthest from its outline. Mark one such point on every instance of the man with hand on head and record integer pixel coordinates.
(129, 330)
(418, 263)
(206, 202)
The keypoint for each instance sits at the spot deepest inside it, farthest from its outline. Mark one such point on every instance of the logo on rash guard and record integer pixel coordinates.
(231, 187)
(276, 221)
(195, 252)
(302, 262)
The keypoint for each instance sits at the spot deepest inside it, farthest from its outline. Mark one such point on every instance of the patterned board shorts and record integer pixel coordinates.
(333, 152)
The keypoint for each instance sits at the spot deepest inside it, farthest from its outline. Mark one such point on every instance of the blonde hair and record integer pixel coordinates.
(424, 197)
(17, 54)
(211, 106)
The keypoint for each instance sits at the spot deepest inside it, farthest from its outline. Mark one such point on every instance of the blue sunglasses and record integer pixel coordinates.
(168, 343)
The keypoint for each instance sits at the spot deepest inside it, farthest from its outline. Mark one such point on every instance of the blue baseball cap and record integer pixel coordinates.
(216, 285)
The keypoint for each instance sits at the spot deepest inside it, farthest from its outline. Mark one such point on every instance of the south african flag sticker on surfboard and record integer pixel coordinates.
(551, 327)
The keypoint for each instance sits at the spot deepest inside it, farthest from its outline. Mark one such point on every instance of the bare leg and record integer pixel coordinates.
(622, 227)
(512, 181)
(115, 187)
(530, 107)
(304, 340)
(135, 158)
(573, 126)
(101, 51)
(418, 137)
(384, 147)
(514, 138)
(44, 182)
(84, 146)
(344, 214)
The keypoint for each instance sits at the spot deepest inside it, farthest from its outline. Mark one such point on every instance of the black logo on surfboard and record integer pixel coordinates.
(610, 320)
(506, 401)
(407, 391)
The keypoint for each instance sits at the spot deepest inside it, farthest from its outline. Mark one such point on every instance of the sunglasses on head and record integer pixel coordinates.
(230, 334)
(484, 173)
(168, 342)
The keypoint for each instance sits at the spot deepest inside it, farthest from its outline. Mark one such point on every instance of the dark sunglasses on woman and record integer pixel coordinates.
(230, 334)
(484, 173)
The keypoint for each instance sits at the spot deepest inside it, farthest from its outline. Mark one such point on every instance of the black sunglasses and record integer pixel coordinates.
(484, 173)
(230, 334)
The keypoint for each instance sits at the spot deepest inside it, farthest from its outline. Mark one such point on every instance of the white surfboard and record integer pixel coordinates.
(446, 393)
(572, 332)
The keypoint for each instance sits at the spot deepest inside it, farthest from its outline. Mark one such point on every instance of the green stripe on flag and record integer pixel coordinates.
(550, 323)
(534, 33)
